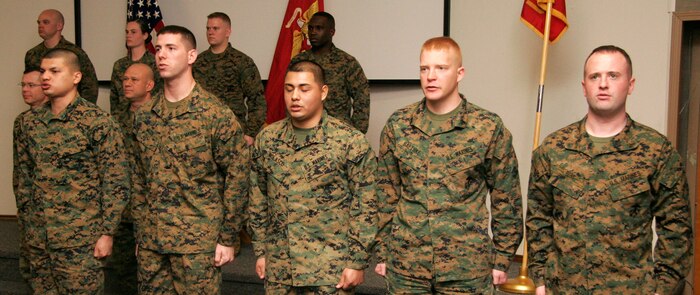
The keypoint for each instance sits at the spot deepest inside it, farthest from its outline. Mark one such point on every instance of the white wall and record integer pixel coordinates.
(501, 57)
(256, 33)
(19, 28)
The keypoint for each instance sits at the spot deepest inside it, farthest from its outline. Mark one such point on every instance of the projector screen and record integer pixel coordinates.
(385, 36)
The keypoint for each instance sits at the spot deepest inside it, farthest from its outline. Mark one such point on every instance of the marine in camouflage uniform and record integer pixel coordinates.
(88, 86)
(76, 190)
(234, 78)
(21, 181)
(433, 182)
(196, 166)
(122, 265)
(117, 102)
(34, 97)
(590, 213)
(312, 204)
(348, 98)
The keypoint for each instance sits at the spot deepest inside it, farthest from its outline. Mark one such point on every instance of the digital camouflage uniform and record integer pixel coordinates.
(117, 101)
(348, 88)
(590, 213)
(121, 265)
(313, 206)
(74, 188)
(196, 166)
(432, 190)
(21, 181)
(88, 84)
(233, 77)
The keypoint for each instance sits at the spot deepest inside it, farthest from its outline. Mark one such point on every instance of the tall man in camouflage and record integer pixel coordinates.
(50, 23)
(595, 187)
(439, 159)
(74, 183)
(137, 37)
(348, 96)
(196, 165)
(34, 97)
(232, 76)
(138, 83)
(312, 204)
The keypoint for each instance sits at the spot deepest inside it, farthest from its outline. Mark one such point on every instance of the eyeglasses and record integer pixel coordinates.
(30, 85)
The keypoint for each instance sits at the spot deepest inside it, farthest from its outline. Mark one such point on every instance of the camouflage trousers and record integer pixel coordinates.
(272, 288)
(23, 254)
(65, 271)
(177, 273)
(121, 265)
(404, 285)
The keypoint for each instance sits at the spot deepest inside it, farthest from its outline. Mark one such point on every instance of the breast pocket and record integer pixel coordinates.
(75, 159)
(464, 175)
(410, 166)
(194, 155)
(628, 189)
(322, 175)
(566, 188)
(566, 192)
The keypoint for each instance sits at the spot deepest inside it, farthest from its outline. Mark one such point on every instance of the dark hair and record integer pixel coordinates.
(328, 16)
(311, 67)
(610, 49)
(145, 29)
(182, 31)
(30, 69)
(67, 55)
(222, 16)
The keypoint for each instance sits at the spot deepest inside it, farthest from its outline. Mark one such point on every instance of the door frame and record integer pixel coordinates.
(678, 20)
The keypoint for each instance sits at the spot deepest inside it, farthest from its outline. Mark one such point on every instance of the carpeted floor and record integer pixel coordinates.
(238, 277)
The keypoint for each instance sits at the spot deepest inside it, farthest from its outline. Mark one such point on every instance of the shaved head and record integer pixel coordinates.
(55, 14)
(69, 57)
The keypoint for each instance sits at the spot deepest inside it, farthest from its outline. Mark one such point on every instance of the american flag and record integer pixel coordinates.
(147, 10)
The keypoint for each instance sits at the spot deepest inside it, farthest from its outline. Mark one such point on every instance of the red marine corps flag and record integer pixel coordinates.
(148, 11)
(534, 16)
(293, 39)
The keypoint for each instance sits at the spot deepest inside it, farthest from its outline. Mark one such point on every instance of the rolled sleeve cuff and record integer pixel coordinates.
(537, 279)
(501, 263)
(359, 261)
(258, 249)
(666, 285)
(230, 241)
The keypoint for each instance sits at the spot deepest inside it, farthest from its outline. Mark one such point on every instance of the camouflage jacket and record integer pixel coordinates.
(125, 118)
(74, 177)
(196, 165)
(21, 181)
(313, 206)
(590, 213)
(348, 93)
(117, 101)
(87, 87)
(432, 195)
(233, 77)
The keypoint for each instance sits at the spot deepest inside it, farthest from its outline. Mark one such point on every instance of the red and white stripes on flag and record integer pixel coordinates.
(148, 11)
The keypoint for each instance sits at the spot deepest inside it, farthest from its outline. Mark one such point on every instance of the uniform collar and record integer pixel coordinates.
(318, 134)
(622, 141)
(419, 118)
(45, 114)
(160, 108)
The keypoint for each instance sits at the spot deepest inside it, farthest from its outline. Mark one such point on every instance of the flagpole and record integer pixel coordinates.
(523, 284)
